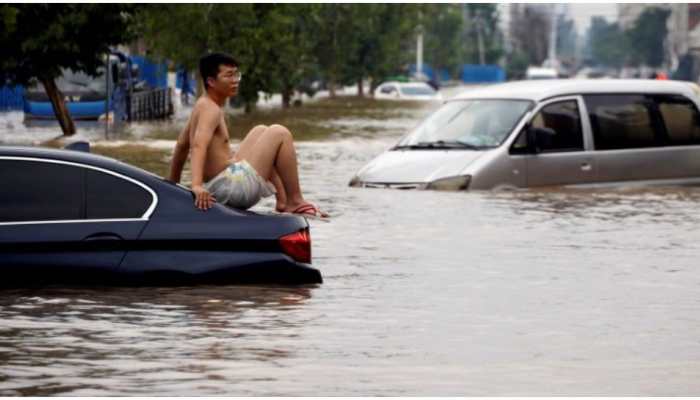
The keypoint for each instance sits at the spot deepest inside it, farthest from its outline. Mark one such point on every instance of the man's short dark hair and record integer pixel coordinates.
(209, 65)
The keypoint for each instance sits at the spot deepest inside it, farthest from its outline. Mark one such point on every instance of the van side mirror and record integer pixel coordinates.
(539, 138)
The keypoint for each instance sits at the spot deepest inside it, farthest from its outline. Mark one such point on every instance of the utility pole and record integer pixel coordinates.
(419, 52)
(108, 78)
(552, 51)
(479, 38)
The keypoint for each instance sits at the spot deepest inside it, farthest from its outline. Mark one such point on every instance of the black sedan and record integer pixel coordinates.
(71, 217)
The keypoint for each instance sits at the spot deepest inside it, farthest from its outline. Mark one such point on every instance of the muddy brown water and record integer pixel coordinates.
(539, 292)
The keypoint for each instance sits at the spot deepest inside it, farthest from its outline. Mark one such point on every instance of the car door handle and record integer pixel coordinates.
(586, 167)
(102, 236)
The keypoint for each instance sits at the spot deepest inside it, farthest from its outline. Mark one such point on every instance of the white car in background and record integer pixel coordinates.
(406, 91)
(536, 73)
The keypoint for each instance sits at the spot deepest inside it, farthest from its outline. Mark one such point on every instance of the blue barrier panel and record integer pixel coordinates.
(81, 110)
(11, 98)
(426, 69)
(482, 73)
(156, 75)
(444, 75)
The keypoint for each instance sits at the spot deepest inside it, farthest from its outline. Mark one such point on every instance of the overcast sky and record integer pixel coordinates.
(581, 13)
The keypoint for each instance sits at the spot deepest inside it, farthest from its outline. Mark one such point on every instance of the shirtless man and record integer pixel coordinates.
(265, 162)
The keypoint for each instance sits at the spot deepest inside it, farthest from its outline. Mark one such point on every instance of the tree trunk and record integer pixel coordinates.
(360, 88)
(249, 107)
(59, 106)
(286, 98)
(331, 89)
(373, 86)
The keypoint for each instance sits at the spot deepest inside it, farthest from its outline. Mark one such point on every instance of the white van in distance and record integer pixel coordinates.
(549, 132)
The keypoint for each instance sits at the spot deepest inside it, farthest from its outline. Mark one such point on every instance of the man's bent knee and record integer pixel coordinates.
(258, 128)
(281, 130)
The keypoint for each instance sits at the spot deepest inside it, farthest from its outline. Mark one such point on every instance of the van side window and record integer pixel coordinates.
(622, 121)
(681, 119)
(564, 119)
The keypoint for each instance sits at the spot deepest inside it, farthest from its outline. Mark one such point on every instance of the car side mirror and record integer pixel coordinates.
(539, 138)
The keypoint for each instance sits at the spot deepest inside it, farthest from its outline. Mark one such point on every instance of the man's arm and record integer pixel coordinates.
(182, 147)
(209, 118)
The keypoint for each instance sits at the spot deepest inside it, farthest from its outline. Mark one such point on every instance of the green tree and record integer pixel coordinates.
(394, 34)
(443, 27)
(286, 47)
(336, 43)
(481, 24)
(182, 33)
(270, 41)
(39, 40)
(566, 38)
(647, 36)
(607, 43)
(381, 36)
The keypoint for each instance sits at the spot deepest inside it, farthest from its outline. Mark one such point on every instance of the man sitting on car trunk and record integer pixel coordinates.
(265, 163)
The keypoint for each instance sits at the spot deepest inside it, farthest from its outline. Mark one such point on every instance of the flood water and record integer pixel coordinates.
(538, 292)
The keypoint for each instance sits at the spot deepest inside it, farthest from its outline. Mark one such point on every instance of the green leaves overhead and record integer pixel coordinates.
(40, 39)
(643, 43)
(282, 47)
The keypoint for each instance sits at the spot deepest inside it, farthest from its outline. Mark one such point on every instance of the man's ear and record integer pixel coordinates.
(209, 84)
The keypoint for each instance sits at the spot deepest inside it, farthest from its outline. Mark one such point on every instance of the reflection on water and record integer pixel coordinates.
(88, 342)
(537, 292)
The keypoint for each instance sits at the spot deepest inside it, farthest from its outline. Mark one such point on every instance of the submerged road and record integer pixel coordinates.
(539, 292)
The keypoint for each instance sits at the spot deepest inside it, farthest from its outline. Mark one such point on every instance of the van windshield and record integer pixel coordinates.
(467, 124)
(417, 90)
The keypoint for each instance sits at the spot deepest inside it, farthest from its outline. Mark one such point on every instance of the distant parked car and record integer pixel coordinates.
(406, 91)
(546, 133)
(541, 73)
(70, 217)
(593, 73)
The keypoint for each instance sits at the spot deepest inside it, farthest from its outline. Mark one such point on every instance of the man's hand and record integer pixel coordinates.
(202, 198)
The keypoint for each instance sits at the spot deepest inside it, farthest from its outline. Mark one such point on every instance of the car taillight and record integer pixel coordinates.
(297, 245)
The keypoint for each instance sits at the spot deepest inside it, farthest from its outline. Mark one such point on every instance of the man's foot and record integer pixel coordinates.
(310, 211)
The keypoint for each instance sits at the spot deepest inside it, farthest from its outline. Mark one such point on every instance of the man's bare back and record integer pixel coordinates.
(218, 154)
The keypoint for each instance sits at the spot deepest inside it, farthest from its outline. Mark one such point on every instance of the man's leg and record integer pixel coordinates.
(273, 152)
(246, 147)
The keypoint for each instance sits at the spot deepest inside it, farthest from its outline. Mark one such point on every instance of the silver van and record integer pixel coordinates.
(552, 132)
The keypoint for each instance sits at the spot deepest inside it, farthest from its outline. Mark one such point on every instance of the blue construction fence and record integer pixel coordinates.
(11, 98)
(154, 73)
(469, 73)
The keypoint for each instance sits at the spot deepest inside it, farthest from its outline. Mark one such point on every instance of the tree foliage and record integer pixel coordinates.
(642, 44)
(38, 40)
(281, 47)
(647, 36)
(607, 43)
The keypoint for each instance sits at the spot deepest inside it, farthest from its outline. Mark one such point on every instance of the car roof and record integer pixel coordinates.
(541, 70)
(537, 90)
(404, 84)
(77, 157)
